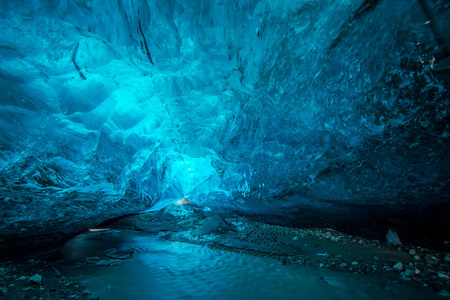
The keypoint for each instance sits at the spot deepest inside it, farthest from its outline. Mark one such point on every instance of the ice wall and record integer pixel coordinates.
(114, 107)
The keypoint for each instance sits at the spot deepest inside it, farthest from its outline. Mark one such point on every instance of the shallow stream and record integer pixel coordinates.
(160, 269)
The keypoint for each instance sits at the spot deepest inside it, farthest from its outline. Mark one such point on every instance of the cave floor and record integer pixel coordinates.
(324, 253)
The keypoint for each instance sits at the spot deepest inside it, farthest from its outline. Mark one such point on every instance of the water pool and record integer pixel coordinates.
(160, 269)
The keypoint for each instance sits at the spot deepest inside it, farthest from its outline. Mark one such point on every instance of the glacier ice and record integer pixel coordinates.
(109, 108)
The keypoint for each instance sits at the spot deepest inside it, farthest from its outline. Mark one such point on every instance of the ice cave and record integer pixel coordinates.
(224, 149)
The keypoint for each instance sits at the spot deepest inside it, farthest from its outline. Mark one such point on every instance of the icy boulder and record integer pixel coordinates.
(109, 108)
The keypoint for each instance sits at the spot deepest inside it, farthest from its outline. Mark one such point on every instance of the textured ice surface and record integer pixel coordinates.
(113, 107)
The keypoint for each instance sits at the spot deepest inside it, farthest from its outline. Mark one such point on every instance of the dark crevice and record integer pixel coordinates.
(423, 225)
(367, 6)
(74, 56)
(144, 40)
(113, 220)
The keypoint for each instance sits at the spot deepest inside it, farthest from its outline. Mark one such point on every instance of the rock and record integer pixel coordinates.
(416, 257)
(22, 278)
(408, 273)
(215, 224)
(322, 254)
(36, 279)
(442, 275)
(108, 263)
(430, 258)
(447, 258)
(92, 260)
(295, 238)
(417, 271)
(355, 263)
(119, 254)
(162, 216)
(3, 290)
(398, 266)
(182, 208)
(412, 252)
(392, 237)
(207, 212)
(444, 293)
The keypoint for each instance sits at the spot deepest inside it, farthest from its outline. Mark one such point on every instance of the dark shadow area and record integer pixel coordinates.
(421, 225)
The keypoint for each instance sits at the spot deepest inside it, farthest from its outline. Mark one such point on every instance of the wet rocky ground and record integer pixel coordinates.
(184, 222)
(318, 247)
(37, 279)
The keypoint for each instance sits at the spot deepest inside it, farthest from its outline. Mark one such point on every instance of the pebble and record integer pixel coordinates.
(355, 263)
(444, 293)
(409, 273)
(412, 252)
(430, 258)
(442, 275)
(3, 290)
(392, 237)
(36, 279)
(398, 266)
(86, 292)
(416, 257)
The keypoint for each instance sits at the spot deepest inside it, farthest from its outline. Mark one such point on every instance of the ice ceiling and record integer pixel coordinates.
(114, 107)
